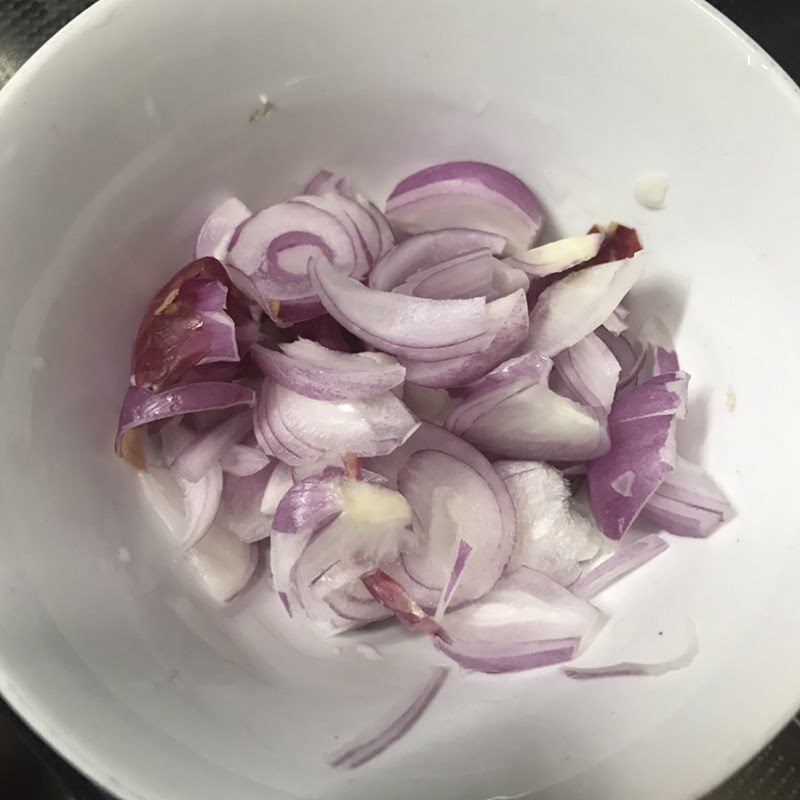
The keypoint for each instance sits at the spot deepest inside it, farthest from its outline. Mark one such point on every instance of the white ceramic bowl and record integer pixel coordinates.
(115, 141)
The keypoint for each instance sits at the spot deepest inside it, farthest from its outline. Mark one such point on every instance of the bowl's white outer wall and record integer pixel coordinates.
(125, 130)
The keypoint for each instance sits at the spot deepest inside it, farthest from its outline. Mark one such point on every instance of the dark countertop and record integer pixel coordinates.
(36, 772)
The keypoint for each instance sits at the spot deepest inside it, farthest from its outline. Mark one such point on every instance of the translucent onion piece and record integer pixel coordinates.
(429, 250)
(587, 373)
(642, 429)
(520, 418)
(368, 746)
(413, 327)
(222, 562)
(629, 353)
(551, 537)
(628, 668)
(240, 507)
(314, 371)
(466, 194)
(548, 259)
(218, 230)
(619, 564)
(688, 502)
(452, 503)
(201, 497)
(577, 304)
(207, 450)
(300, 430)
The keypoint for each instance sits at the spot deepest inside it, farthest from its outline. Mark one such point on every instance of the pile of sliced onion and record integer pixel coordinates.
(400, 407)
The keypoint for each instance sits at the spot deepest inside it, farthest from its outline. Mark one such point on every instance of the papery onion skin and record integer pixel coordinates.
(171, 338)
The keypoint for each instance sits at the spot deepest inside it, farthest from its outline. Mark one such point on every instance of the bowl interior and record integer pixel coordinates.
(121, 136)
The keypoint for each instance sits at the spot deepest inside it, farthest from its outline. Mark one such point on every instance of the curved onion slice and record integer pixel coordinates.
(312, 370)
(393, 597)
(465, 276)
(466, 194)
(224, 563)
(548, 259)
(452, 503)
(429, 250)
(630, 356)
(300, 430)
(366, 747)
(627, 668)
(142, 406)
(218, 230)
(642, 429)
(240, 507)
(551, 537)
(344, 211)
(207, 450)
(201, 497)
(688, 502)
(431, 437)
(515, 415)
(577, 304)
(412, 327)
(510, 315)
(275, 246)
(186, 324)
(587, 373)
(325, 182)
(616, 566)
(526, 621)
(280, 481)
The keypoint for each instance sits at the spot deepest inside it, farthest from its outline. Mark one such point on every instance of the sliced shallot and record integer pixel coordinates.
(218, 230)
(367, 747)
(617, 565)
(466, 194)
(643, 453)
(315, 371)
(688, 502)
(577, 304)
